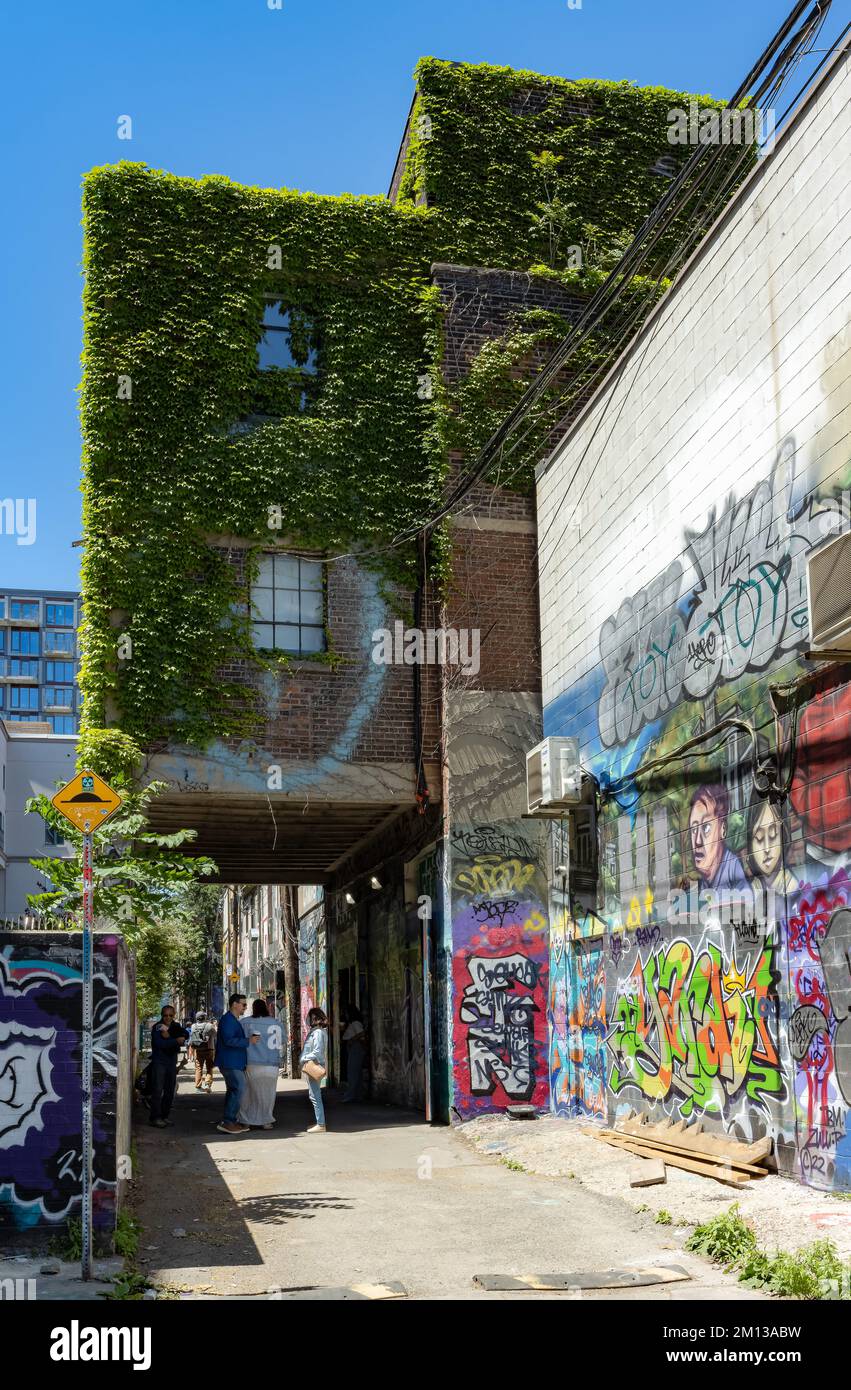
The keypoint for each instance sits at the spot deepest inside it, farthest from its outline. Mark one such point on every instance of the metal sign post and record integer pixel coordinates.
(87, 801)
(424, 914)
(88, 1052)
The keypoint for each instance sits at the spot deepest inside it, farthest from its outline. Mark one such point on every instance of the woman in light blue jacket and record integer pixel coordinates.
(315, 1054)
(257, 1107)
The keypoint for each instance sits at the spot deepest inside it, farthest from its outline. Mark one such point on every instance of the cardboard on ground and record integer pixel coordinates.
(86, 801)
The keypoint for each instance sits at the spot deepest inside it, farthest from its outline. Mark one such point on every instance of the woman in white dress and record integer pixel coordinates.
(263, 1065)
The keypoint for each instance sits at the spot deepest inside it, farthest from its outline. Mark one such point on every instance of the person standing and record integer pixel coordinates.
(261, 1074)
(354, 1036)
(202, 1046)
(231, 1056)
(166, 1036)
(314, 1064)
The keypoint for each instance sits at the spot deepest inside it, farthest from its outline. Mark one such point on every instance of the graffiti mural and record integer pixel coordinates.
(692, 1029)
(40, 1079)
(499, 969)
(716, 967)
(736, 602)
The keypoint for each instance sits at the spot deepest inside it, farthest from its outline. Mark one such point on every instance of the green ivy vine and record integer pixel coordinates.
(187, 444)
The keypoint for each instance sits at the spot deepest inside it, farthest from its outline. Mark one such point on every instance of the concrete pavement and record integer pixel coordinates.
(381, 1199)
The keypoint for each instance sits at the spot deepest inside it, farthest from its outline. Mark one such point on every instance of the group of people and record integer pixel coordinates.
(247, 1051)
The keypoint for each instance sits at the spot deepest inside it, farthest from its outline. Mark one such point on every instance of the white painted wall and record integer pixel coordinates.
(752, 347)
(33, 766)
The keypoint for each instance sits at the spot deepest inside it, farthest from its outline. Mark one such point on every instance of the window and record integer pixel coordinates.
(23, 696)
(288, 605)
(2, 639)
(58, 670)
(53, 837)
(62, 695)
(62, 723)
(27, 669)
(60, 614)
(26, 609)
(16, 718)
(287, 339)
(24, 641)
(59, 642)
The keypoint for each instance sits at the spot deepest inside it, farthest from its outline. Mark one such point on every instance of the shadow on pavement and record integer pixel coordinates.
(183, 1171)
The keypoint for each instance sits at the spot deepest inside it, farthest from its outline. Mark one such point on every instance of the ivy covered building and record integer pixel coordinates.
(279, 390)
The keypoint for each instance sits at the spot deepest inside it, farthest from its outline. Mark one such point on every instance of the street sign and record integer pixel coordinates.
(86, 801)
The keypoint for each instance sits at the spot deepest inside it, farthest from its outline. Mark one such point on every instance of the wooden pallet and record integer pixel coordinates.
(711, 1155)
(694, 1139)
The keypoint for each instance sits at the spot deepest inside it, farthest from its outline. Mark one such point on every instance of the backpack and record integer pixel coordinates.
(200, 1034)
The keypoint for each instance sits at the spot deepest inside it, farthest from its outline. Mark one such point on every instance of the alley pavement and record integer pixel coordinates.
(382, 1205)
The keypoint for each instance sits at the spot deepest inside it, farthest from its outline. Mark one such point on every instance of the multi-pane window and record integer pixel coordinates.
(26, 669)
(61, 695)
(62, 723)
(27, 609)
(288, 605)
(59, 614)
(23, 696)
(59, 670)
(16, 717)
(287, 339)
(59, 642)
(24, 640)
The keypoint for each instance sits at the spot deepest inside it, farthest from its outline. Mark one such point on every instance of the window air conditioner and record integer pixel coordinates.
(553, 776)
(829, 590)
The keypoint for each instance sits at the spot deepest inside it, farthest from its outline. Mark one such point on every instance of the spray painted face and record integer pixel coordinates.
(25, 1080)
(707, 831)
(767, 842)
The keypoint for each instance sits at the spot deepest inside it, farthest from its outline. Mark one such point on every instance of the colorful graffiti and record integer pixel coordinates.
(692, 1030)
(577, 1019)
(735, 603)
(500, 970)
(40, 1080)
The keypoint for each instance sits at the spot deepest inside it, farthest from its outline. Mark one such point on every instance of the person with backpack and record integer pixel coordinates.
(202, 1049)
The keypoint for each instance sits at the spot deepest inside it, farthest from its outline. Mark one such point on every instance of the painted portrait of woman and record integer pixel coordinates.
(767, 848)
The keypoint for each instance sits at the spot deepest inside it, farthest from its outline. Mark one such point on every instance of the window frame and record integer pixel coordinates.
(300, 623)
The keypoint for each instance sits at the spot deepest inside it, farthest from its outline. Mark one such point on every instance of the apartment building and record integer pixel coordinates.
(39, 658)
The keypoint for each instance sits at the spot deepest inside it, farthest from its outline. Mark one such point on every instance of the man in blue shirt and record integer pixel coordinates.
(231, 1058)
(165, 1049)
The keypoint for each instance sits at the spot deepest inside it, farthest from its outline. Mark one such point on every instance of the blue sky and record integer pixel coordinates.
(311, 96)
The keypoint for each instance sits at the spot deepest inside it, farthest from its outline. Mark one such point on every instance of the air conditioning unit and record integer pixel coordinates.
(829, 590)
(553, 776)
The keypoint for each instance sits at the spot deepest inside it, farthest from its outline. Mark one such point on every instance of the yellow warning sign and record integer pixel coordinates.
(87, 801)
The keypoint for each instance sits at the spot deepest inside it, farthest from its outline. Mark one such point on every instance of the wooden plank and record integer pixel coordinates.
(596, 1279)
(647, 1173)
(664, 1146)
(701, 1142)
(728, 1176)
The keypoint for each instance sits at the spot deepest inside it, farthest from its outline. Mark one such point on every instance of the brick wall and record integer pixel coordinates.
(316, 703)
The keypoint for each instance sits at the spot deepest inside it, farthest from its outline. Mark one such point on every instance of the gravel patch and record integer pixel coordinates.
(784, 1214)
